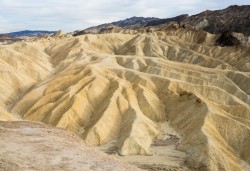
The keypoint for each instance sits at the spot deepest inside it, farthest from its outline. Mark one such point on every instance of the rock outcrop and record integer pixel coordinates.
(234, 18)
(227, 39)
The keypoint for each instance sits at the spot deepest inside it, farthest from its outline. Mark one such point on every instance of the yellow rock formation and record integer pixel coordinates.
(120, 87)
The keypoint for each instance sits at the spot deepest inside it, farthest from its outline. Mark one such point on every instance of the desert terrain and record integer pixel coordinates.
(170, 97)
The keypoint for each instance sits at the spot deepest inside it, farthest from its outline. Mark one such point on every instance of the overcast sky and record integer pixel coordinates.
(70, 15)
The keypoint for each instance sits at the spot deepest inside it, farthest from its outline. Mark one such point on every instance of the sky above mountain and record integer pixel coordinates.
(71, 15)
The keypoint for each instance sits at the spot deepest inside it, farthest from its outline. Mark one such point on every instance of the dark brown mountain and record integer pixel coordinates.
(234, 18)
(178, 19)
(135, 22)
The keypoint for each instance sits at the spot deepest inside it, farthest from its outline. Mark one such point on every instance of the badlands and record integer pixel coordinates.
(168, 99)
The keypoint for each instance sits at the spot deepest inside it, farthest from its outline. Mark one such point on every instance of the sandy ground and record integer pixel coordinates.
(28, 146)
(164, 154)
(164, 157)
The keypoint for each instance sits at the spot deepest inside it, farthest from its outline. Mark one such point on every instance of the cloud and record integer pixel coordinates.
(79, 14)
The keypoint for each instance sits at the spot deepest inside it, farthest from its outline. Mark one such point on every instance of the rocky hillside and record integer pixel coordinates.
(130, 23)
(134, 22)
(177, 19)
(234, 19)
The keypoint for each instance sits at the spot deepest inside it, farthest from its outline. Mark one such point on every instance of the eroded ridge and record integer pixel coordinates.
(120, 87)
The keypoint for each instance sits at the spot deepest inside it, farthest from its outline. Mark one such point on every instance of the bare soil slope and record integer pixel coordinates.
(123, 87)
(35, 146)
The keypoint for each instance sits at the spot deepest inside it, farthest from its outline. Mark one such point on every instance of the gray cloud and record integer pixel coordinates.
(78, 14)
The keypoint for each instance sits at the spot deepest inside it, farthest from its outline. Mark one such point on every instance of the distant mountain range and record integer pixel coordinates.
(134, 22)
(179, 18)
(29, 33)
(234, 19)
(8, 38)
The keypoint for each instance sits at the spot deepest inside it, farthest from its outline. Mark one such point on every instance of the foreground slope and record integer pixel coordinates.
(34, 146)
(123, 87)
